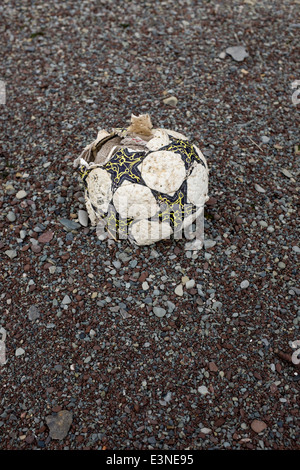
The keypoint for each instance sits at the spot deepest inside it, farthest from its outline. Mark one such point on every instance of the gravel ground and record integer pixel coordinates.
(89, 364)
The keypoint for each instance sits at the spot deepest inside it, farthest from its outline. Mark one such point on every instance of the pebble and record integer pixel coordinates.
(209, 243)
(152, 440)
(262, 223)
(244, 284)
(117, 264)
(46, 237)
(119, 70)
(159, 312)
(203, 390)
(179, 290)
(296, 249)
(36, 248)
(69, 224)
(11, 216)
(124, 257)
(145, 285)
(19, 352)
(66, 300)
(21, 194)
(189, 284)
(259, 188)
(281, 265)
(171, 101)
(238, 53)
(258, 426)
(286, 173)
(33, 313)
(217, 305)
(205, 430)
(23, 234)
(59, 424)
(213, 367)
(171, 306)
(11, 253)
(265, 139)
(83, 217)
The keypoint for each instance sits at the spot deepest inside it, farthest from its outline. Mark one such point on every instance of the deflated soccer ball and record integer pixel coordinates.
(143, 183)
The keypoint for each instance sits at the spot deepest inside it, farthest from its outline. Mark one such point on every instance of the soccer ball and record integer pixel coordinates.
(143, 183)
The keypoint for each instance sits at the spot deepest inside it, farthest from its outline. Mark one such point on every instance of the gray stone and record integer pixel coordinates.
(124, 257)
(66, 300)
(59, 424)
(286, 173)
(83, 217)
(171, 306)
(11, 253)
(203, 390)
(179, 290)
(133, 263)
(21, 194)
(33, 313)
(19, 352)
(69, 224)
(171, 101)
(259, 188)
(189, 284)
(11, 216)
(154, 254)
(152, 440)
(116, 264)
(244, 284)
(238, 53)
(262, 223)
(217, 305)
(209, 243)
(159, 311)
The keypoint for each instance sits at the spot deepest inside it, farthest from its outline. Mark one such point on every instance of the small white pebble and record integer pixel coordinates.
(189, 284)
(203, 390)
(205, 430)
(19, 352)
(21, 194)
(244, 284)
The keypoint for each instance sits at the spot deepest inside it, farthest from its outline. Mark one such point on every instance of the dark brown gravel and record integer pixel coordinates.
(217, 371)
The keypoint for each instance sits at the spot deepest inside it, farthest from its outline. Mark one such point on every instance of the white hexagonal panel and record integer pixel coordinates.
(135, 201)
(163, 171)
(197, 185)
(99, 188)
